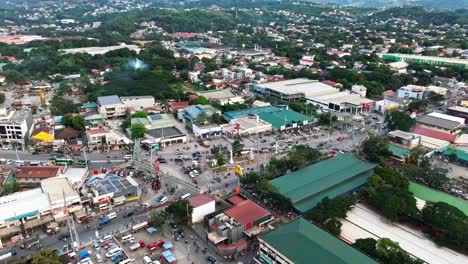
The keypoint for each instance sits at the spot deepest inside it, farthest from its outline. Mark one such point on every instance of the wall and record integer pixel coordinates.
(200, 212)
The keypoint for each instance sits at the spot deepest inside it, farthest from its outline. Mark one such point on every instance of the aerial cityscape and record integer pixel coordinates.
(234, 131)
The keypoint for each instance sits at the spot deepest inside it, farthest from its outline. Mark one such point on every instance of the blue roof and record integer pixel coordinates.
(90, 105)
(156, 117)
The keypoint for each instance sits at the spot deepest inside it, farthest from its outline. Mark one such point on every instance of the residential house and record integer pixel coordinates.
(111, 107)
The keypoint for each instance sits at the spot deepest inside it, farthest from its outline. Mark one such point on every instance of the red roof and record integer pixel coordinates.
(236, 199)
(178, 105)
(247, 212)
(200, 200)
(331, 83)
(389, 93)
(42, 172)
(434, 134)
(97, 131)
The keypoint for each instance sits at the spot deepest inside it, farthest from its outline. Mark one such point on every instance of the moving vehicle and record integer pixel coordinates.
(104, 221)
(112, 215)
(185, 196)
(129, 213)
(7, 255)
(211, 259)
(162, 199)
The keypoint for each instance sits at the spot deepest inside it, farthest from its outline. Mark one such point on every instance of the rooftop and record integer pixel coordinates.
(247, 212)
(284, 118)
(458, 108)
(38, 171)
(165, 132)
(57, 187)
(108, 100)
(100, 50)
(200, 200)
(401, 134)
(344, 97)
(22, 204)
(438, 122)
(328, 178)
(301, 241)
(15, 117)
(300, 86)
(113, 184)
(434, 133)
(217, 94)
(399, 151)
(250, 111)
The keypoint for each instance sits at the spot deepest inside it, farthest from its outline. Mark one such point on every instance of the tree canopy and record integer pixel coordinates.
(180, 210)
(400, 120)
(375, 148)
(137, 130)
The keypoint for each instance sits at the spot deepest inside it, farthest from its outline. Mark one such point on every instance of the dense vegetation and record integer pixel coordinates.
(385, 251)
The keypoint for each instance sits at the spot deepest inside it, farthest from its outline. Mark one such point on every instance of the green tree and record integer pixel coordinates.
(75, 121)
(181, 211)
(140, 114)
(201, 100)
(251, 177)
(333, 225)
(325, 118)
(447, 224)
(137, 130)
(375, 148)
(400, 120)
(10, 187)
(367, 245)
(2, 98)
(237, 147)
(45, 256)
(417, 104)
(158, 219)
(61, 106)
(389, 251)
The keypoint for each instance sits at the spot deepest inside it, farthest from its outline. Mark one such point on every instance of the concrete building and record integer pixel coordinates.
(246, 126)
(222, 97)
(202, 205)
(111, 106)
(206, 131)
(33, 175)
(165, 136)
(15, 128)
(300, 241)
(112, 187)
(360, 90)
(96, 138)
(59, 190)
(190, 113)
(411, 91)
(342, 102)
(138, 103)
(294, 90)
(385, 105)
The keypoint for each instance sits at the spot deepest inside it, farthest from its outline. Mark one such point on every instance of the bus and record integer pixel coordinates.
(64, 161)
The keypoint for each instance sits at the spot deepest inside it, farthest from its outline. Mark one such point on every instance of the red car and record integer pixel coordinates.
(155, 245)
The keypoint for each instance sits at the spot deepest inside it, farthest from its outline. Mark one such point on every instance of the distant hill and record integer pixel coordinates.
(436, 4)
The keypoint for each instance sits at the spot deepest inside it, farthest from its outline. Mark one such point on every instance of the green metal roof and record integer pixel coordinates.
(303, 242)
(284, 118)
(330, 177)
(140, 120)
(431, 195)
(461, 152)
(398, 151)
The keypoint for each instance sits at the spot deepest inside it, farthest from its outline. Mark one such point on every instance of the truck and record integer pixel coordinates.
(139, 226)
(7, 255)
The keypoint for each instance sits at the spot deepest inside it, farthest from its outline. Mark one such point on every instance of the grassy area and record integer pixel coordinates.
(428, 194)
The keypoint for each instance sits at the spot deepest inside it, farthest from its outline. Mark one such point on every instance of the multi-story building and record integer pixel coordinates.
(111, 106)
(15, 128)
(411, 91)
(138, 103)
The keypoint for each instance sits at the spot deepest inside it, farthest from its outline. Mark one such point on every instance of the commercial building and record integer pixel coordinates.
(192, 112)
(15, 128)
(385, 105)
(222, 97)
(227, 230)
(459, 111)
(249, 125)
(206, 131)
(441, 122)
(62, 197)
(411, 91)
(286, 119)
(329, 178)
(23, 210)
(155, 121)
(111, 188)
(342, 102)
(202, 205)
(101, 50)
(294, 90)
(33, 175)
(300, 241)
(438, 61)
(111, 106)
(165, 136)
(254, 111)
(138, 103)
(174, 106)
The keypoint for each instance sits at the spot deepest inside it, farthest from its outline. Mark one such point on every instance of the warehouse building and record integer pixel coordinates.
(301, 242)
(329, 178)
(286, 119)
(294, 90)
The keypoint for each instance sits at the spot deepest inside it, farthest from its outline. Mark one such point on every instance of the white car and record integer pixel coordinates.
(191, 174)
(195, 172)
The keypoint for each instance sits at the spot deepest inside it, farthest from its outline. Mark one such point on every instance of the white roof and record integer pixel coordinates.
(301, 85)
(362, 222)
(343, 97)
(398, 64)
(23, 203)
(459, 120)
(462, 140)
(433, 143)
(57, 187)
(75, 175)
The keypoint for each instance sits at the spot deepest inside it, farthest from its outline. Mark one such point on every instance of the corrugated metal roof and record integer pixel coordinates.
(109, 100)
(284, 118)
(303, 242)
(398, 151)
(323, 177)
(438, 122)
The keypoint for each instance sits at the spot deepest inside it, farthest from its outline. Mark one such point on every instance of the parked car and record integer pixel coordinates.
(211, 259)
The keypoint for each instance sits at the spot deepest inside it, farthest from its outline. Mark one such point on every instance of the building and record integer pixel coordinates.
(360, 90)
(442, 122)
(62, 197)
(175, 106)
(138, 103)
(254, 111)
(437, 61)
(206, 131)
(342, 102)
(101, 50)
(202, 205)
(33, 175)
(190, 113)
(249, 125)
(155, 121)
(329, 178)
(459, 111)
(385, 105)
(22, 211)
(113, 187)
(227, 231)
(165, 136)
(405, 139)
(300, 242)
(286, 119)
(111, 106)
(15, 128)
(295, 89)
(411, 91)
(96, 138)
(222, 97)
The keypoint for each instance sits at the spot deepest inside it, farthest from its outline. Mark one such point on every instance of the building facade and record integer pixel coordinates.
(15, 128)
(111, 107)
